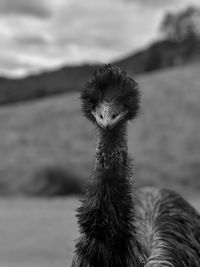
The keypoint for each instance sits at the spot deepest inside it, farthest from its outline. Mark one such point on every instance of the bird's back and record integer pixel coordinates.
(168, 228)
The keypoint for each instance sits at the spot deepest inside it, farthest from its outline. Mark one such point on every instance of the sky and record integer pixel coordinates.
(37, 35)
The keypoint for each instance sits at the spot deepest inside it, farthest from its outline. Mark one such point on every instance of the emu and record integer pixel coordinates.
(121, 226)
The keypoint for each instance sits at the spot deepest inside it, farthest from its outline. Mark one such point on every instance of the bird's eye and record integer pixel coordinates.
(93, 106)
(127, 101)
(92, 102)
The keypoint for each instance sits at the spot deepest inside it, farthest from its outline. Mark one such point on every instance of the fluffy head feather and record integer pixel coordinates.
(111, 83)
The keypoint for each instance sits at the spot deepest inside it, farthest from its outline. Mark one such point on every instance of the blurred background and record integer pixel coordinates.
(48, 50)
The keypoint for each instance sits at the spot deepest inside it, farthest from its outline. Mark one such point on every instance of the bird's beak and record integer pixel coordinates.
(107, 115)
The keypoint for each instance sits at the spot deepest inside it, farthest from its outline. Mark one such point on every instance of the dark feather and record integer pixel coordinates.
(121, 228)
(105, 78)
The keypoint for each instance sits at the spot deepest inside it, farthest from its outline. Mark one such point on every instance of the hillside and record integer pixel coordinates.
(46, 142)
(159, 55)
(66, 79)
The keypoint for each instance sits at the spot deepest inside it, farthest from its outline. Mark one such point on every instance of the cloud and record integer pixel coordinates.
(42, 34)
(90, 25)
(160, 4)
(153, 3)
(13, 65)
(39, 9)
(27, 40)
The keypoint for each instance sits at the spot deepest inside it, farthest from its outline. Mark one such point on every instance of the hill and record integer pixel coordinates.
(157, 56)
(44, 144)
(66, 79)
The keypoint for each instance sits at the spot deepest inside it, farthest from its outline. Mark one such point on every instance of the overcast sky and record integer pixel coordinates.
(44, 34)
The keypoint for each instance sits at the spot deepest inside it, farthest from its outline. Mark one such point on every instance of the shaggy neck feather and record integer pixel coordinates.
(106, 217)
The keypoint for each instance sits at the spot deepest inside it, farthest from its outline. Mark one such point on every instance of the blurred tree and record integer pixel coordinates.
(182, 26)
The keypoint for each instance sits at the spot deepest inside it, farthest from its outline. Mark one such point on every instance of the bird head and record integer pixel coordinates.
(110, 98)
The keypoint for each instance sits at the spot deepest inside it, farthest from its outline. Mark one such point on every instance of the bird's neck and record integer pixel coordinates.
(111, 152)
(106, 217)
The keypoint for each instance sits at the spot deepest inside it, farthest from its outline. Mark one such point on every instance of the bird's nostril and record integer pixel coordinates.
(113, 116)
(101, 116)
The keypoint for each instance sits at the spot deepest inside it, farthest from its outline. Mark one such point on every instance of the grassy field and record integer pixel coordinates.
(39, 233)
(51, 135)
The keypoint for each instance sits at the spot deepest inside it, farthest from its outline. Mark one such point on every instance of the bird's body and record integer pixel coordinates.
(168, 227)
(121, 226)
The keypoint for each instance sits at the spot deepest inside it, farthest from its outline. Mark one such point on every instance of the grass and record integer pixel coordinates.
(39, 136)
(166, 144)
(39, 233)
(52, 134)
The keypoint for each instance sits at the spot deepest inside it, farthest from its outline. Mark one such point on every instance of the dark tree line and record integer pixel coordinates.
(181, 42)
(183, 25)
